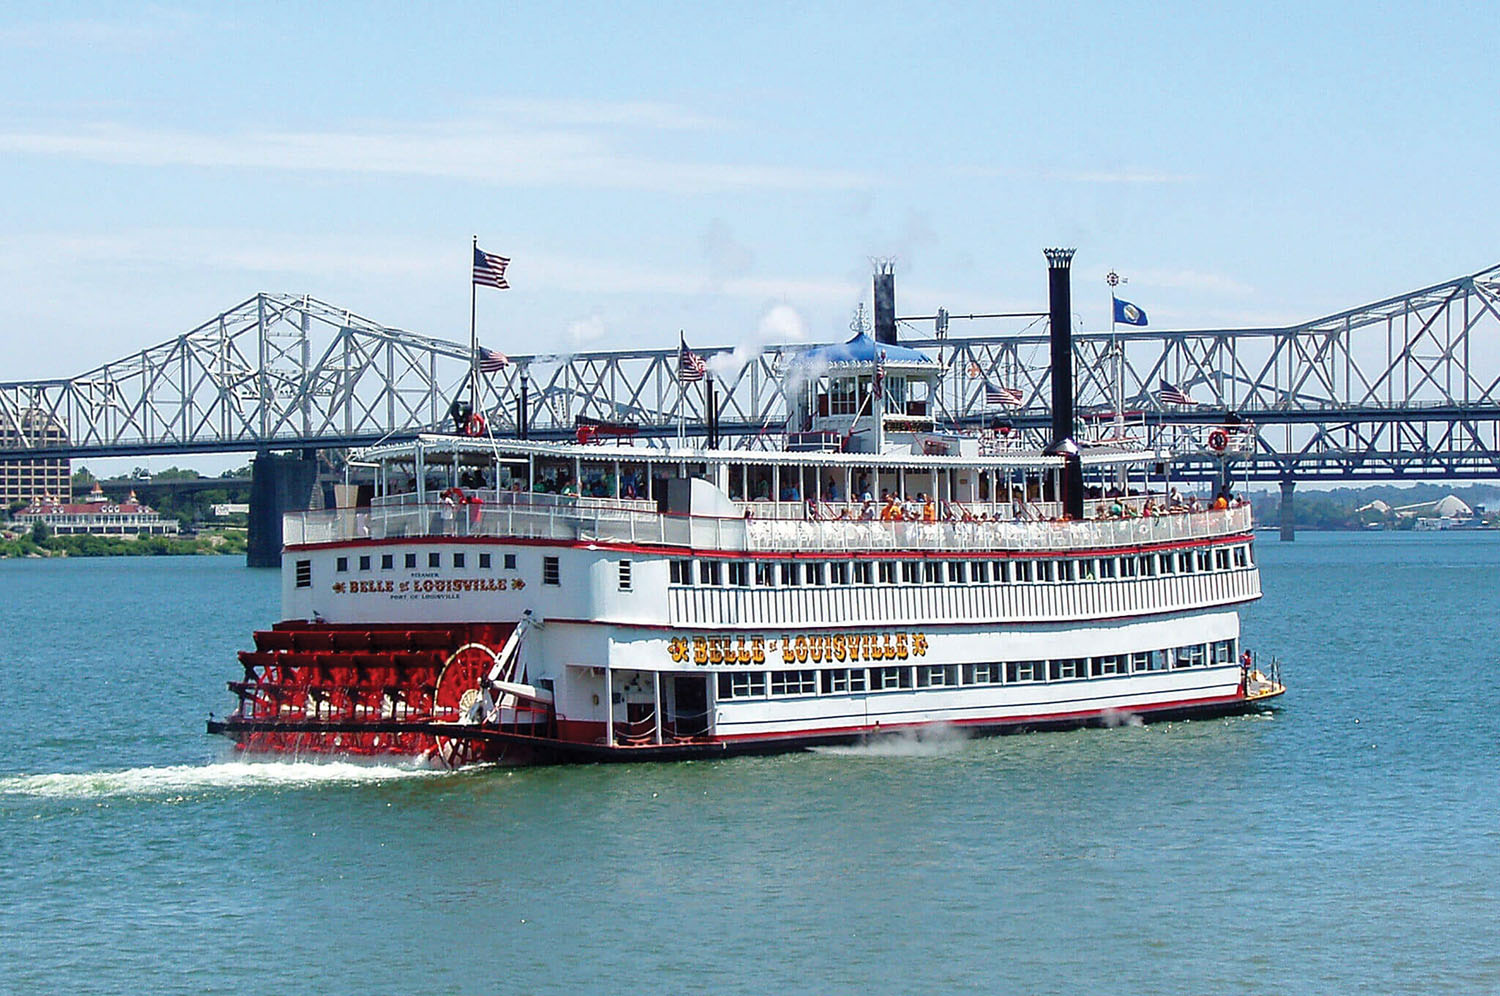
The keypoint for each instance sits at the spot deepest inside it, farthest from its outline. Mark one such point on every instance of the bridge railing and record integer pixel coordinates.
(628, 526)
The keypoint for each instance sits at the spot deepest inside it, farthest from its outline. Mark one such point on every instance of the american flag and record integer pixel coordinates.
(690, 365)
(491, 361)
(489, 269)
(1002, 395)
(1171, 394)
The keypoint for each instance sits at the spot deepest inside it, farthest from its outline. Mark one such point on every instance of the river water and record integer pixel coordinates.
(1350, 842)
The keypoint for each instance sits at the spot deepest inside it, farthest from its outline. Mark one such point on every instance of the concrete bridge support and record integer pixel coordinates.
(1288, 509)
(278, 483)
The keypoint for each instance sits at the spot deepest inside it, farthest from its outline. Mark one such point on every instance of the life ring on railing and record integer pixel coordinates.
(475, 425)
(1218, 440)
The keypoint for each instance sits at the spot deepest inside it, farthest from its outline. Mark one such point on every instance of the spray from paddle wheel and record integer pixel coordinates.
(454, 694)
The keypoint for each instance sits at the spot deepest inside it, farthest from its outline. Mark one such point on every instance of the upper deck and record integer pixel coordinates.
(581, 520)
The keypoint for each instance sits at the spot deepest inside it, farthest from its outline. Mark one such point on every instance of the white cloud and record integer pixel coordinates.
(508, 155)
(147, 28)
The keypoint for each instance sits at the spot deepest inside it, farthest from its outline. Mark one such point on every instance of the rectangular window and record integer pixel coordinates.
(1044, 570)
(387, 561)
(794, 682)
(1067, 570)
(911, 572)
(624, 574)
(765, 574)
(984, 674)
(838, 572)
(842, 681)
(434, 560)
(1105, 665)
(980, 571)
(710, 572)
(1140, 661)
(1185, 562)
(1023, 570)
(1108, 568)
(887, 572)
(864, 572)
(791, 574)
(458, 560)
(1221, 559)
(1024, 670)
(1003, 573)
(1148, 566)
(815, 573)
(887, 678)
(936, 675)
(1223, 652)
(681, 571)
(551, 573)
(410, 560)
(341, 565)
(1068, 668)
(739, 574)
(1241, 557)
(304, 574)
(510, 561)
(1203, 560)
(364, 563)
(1127, 567)
(484, 561)
(958, 572)
(932, 572)
(742, 685)
(1167, 563)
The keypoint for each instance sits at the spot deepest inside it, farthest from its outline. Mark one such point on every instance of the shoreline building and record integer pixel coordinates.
(33, 478)
(97, 515)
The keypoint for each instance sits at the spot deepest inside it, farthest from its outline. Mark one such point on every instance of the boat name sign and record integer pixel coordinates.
(817, 648)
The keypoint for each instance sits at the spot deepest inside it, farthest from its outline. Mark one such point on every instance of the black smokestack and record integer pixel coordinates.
(885, 303)
(1060, 301)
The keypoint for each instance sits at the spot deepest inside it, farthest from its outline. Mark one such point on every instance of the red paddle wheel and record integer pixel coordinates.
(320, 688)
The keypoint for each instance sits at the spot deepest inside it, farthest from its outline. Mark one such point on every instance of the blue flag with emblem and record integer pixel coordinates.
(1128, 314)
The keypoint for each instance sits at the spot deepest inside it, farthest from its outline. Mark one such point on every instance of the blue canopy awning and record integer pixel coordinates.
(862, 350)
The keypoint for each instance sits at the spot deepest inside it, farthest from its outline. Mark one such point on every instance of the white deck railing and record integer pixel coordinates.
(597, 523)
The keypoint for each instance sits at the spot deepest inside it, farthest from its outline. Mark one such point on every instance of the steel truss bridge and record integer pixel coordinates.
(1407, 388)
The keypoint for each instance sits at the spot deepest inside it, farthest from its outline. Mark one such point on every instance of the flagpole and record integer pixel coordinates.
(681, 348)
(473, 333)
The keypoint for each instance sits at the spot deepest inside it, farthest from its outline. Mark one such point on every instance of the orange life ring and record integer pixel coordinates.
(475, 426)
(1218, 440)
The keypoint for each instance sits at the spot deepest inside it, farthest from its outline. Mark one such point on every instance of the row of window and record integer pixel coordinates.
(434, 560)
(551, 570)
(794, 573)
(844, 681)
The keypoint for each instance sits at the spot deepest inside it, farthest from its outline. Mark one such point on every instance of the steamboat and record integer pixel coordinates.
(529, 601)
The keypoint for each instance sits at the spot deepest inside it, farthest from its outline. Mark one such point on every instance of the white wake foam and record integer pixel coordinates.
(185, 779)
(930, 741)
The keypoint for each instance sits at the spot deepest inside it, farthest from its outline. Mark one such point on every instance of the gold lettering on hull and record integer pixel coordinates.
(816, 648)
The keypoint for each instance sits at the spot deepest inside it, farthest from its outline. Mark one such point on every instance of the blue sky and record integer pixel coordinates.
(719, 168)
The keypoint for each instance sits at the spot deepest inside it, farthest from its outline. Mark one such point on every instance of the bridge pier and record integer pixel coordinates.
(1288, 509)
(278, 484)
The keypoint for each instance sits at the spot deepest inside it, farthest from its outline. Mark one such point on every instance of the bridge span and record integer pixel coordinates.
(1405, 388)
